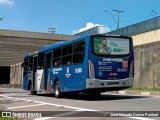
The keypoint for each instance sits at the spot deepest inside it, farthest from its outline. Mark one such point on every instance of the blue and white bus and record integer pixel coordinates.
(90, 64)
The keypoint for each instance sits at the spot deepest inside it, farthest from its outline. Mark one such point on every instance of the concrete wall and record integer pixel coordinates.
(147, 59)
(148, 37)
(147, 65)
(16, 75)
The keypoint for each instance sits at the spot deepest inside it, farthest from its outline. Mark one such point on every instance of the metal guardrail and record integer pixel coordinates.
(138, 28)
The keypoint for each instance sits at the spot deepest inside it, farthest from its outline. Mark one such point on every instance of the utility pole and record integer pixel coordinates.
(118, 11)
(52, 30)
(118, 20)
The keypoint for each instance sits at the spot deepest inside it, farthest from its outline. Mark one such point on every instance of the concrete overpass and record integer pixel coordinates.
(14, 44)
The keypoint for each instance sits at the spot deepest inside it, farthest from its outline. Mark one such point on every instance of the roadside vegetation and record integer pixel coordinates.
(9, 118)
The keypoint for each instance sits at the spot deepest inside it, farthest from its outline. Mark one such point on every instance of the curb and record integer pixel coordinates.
(136, 92)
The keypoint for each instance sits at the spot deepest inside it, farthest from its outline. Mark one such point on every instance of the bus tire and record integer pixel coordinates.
(33, 92)
(29, 85)
(57, 90)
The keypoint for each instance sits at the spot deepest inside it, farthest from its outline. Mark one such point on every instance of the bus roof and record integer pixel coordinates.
(63, 43)
(55, 45)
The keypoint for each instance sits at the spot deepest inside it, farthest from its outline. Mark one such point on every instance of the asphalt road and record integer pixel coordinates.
(79, 106)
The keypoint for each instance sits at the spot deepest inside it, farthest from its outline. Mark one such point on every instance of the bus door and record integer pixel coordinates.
(47, 71)
(25, 74)
(30, 72)
(34, 72)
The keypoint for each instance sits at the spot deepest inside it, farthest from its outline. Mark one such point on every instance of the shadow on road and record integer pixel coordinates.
(13, 92)
(103, 97)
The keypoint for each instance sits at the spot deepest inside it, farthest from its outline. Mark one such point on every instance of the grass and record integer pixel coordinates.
(10, 118)
(145, 89)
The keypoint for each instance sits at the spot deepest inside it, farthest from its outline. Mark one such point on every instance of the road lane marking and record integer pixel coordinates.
(23, 99)
(58, 105)
(44, 118)
(141, 118)
(24, 106)
(75, 108)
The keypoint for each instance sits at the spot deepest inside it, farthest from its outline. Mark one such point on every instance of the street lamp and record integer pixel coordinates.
(112, 17)
(117, 21)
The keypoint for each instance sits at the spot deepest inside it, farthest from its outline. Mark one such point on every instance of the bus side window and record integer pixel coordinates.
(30, 65)
(41, 61)
(67, 55)
(79, 47)
(57, 62)
(78, 52)
(26, 64)
(57, 57)
(78, 58)
(67, 60)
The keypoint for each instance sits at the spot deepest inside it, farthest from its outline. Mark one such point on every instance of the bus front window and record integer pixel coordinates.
(111, 46)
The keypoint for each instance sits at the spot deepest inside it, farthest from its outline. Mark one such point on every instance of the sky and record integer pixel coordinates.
(72, 16)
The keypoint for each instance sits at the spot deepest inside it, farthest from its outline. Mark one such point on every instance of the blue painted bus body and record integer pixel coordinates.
(72, 81)
(25, 82)
(74, 77)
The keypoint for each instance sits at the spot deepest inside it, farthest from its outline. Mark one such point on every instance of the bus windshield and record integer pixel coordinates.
(111, 45)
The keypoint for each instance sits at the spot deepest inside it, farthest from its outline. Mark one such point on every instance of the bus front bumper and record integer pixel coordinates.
(97, 83)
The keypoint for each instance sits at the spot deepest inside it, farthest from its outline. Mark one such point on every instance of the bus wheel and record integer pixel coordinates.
(57, 90)
(33, 92)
